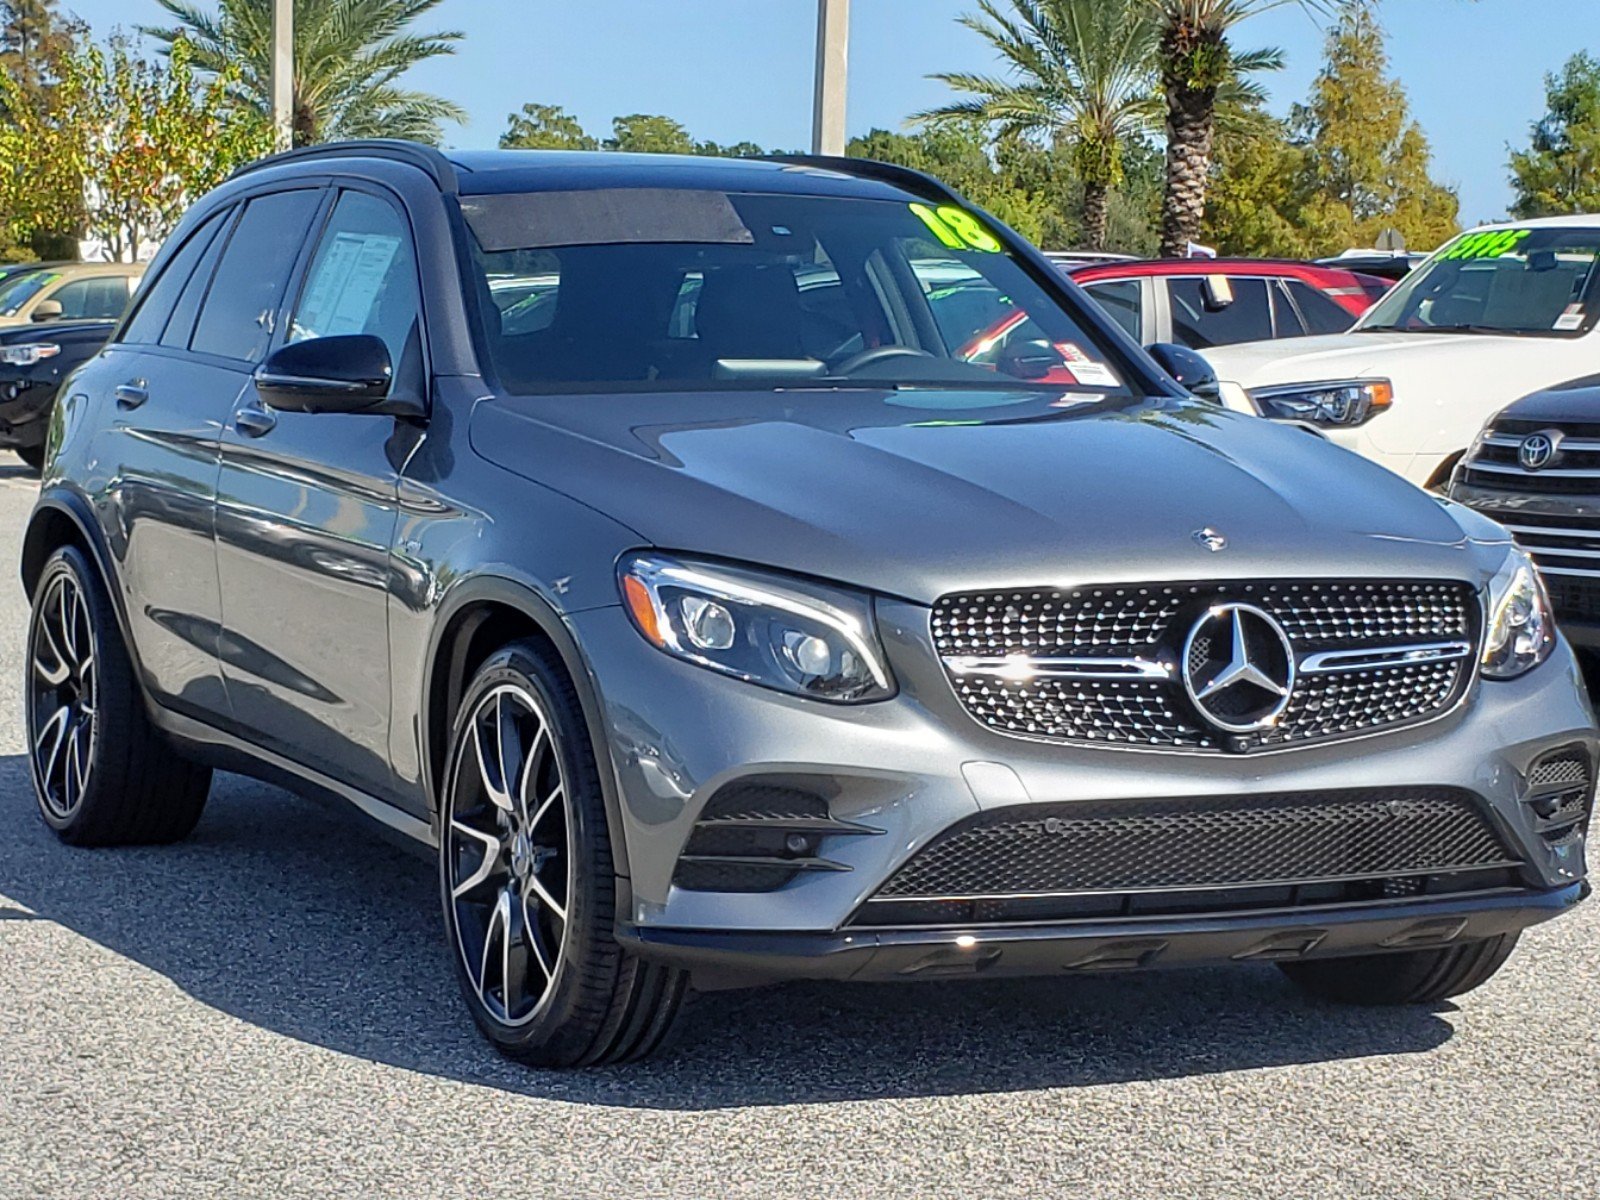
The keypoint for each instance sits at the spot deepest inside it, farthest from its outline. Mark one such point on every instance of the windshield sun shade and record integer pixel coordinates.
(612, 216)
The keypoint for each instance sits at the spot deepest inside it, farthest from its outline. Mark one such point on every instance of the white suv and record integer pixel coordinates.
(1497, 313)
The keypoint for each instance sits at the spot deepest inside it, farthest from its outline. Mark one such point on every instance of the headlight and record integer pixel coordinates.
(28, 353)
(1522, 631)
(1331, 405)
(780, 633)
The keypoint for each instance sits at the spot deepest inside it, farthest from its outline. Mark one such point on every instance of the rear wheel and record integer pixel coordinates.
(102, 774)
(1406, 977)
(527, 881)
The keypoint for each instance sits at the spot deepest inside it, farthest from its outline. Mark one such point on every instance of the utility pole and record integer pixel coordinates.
(283, 73)
(833, 57)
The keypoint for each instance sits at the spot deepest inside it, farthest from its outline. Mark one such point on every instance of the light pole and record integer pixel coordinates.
(283, 73)
(833, 57)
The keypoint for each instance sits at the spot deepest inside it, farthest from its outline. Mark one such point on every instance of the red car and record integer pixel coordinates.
(1202, 302)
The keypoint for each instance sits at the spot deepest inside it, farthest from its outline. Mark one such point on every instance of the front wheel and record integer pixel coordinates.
(527, 880)
(1405, 977)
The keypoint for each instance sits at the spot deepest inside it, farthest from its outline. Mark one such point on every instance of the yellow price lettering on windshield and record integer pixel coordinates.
(957, 228)
(1493, 243)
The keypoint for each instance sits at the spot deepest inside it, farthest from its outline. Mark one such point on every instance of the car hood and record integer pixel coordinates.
(1361, 355)
(920, 493)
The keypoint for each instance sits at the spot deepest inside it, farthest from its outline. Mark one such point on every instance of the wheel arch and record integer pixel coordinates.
(481, 615)
(63, 517)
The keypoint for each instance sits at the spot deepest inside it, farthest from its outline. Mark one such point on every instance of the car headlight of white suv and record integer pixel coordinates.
(1333, 405)
(1522, 629)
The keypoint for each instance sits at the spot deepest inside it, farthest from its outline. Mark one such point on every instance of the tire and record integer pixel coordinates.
(102, 774)
(527, 881)
(33, 456)
(1405, 977)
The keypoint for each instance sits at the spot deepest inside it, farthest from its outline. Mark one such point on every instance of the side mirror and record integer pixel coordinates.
(47, 310)
(345, 374)
(1191, 370)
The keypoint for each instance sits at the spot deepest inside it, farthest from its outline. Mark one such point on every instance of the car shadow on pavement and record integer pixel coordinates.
(298, 920)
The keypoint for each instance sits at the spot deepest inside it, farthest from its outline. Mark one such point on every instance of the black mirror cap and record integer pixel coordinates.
(1191, 370)
(346, 373)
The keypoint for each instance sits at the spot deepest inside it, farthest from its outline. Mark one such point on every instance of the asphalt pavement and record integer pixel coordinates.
(267, 1011)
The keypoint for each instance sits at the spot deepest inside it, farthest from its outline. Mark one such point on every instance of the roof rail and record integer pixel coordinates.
(426, 158)
(871, 168)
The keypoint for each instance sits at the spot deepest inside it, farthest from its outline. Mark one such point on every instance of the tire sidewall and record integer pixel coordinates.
(556, 1028)
(69, 561)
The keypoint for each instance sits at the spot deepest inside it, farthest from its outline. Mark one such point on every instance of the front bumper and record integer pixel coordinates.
(733, 959)
(917, 764)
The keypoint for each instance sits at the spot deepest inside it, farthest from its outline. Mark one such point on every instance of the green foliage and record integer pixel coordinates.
(545, 127)
(34, 40)
(349, 58)
(1349, 164)
(643, 133)
(1560, 170)
(120, 145)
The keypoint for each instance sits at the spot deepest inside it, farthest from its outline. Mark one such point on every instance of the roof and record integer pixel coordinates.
(482, 172)
(1574, 221)
(1205, 266)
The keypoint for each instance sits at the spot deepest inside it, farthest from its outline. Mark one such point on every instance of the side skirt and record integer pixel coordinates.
(216, 748)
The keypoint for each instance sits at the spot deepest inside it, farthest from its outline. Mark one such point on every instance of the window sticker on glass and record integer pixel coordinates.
(957, 228)
(1085, 369)
(341, 296)
(1492, 243)
(1571, 319)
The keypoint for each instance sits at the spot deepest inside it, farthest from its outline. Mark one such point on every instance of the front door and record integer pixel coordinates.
(306, 514)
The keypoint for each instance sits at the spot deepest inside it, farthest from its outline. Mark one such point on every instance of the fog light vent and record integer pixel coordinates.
(757, 837)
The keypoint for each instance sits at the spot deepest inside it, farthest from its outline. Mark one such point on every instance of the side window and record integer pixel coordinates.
(1121, 300)
(237, 317)
(1203, 315)
(363, 277)
(181, 327)
(93, 299)
(1285, 316)
(151, 317)
(1322, 315)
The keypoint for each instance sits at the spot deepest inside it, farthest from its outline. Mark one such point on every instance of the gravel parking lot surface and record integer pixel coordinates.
(267, 1010)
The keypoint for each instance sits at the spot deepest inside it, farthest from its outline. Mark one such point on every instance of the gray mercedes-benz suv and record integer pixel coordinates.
(662, 541)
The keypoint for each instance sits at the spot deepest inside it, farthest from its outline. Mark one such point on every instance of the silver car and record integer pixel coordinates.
(646, 539)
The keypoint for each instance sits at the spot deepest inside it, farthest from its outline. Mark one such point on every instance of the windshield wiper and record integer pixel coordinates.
(1456, 328)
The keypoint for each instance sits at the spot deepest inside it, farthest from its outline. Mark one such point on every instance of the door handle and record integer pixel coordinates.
(131, 394)
(252, 420)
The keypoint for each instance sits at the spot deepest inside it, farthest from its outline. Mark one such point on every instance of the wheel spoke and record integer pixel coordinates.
(62, 671)
(513, 956)
(546, 898)
(69, 629)
(497, 920)
(543, 810)
(497, 794)
(536, 942)
(78, 756)
(57, 723)
(492, 847)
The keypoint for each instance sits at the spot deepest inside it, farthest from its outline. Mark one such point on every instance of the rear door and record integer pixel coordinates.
(307, 510)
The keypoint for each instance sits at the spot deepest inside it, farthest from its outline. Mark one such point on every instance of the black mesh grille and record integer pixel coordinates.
(757, 836)
(1152, 622)
(1560, 794)
(1565, 768)
(1573, 597)
(1212, 842)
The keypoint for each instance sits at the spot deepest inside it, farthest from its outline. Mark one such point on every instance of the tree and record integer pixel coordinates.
(1560, 170)
(1196, 62)
(545, 127)
(1080, 80)
(349, 57)
(1256, 194)
(122, 144)
(643, 133)
(1366, 163)
(34, 38)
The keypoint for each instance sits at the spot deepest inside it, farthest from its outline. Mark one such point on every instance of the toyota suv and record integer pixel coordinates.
(712, 621)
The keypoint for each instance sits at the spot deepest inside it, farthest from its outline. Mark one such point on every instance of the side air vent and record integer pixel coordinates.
(757, 837)
(1560, 793)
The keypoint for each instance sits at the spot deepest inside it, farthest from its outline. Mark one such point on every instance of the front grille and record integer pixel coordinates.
(1149, 623)
(1566, 547)
(1294, 847)
(1574, 470)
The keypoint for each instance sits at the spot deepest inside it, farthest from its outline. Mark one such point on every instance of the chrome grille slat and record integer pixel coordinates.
(1415, 640)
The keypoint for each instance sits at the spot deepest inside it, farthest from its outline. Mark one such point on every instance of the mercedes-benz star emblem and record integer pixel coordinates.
(1537, 450)
(1238, 668)
(1210, 539)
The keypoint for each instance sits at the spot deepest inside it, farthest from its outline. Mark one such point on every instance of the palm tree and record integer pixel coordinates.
(1081, 76)
(1196, 61)
(349, 56)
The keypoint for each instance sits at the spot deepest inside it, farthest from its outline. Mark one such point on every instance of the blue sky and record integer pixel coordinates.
(741, 69)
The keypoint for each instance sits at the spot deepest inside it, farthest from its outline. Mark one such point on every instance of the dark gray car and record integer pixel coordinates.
(629, 530)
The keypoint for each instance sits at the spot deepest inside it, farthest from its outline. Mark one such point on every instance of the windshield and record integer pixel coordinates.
(665, 289)
(1519, 281)
(19, 289)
